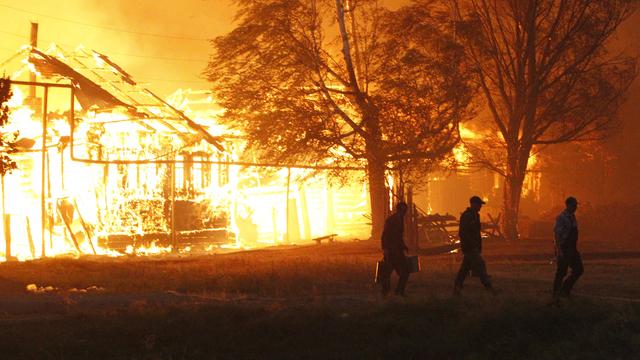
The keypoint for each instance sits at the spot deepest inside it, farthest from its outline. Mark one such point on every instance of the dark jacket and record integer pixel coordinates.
(566, 231)
(469, 232)
(392, 235)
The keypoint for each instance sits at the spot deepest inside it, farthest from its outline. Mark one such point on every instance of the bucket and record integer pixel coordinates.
(413, 263)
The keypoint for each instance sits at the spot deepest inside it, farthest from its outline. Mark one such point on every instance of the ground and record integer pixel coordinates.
(318, 302)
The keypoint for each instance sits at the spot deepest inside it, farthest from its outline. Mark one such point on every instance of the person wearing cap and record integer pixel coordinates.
(567, 255)
(394, 248)
(471, 246)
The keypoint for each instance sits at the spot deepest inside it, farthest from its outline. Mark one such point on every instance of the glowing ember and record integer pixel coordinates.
(152, 249)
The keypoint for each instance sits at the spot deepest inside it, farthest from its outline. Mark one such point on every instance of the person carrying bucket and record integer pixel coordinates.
(394, 249)
(471, 246)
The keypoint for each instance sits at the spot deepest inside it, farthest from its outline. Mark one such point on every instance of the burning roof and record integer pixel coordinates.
(101, 85)
(133, 173)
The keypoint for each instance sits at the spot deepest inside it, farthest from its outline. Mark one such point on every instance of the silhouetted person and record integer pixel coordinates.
(471, 245)
(567, 255)
(394, 248)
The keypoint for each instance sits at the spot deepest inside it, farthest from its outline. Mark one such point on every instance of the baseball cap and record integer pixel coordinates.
(571, 200)
(476, 200)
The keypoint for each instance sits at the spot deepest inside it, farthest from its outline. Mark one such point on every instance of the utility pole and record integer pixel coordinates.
(34, 45)
(32, 100)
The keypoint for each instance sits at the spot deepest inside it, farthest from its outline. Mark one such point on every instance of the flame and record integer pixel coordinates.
(107, 200)
(89, 208)
(533, 160)
(460, 152)
(532, 180)
(153, 249)
(22, 195)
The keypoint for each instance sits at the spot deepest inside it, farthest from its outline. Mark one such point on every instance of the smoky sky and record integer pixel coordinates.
(165, 44)
(122, 30)
(125, 30)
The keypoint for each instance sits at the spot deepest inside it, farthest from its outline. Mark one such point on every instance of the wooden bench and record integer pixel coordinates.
(330, 238)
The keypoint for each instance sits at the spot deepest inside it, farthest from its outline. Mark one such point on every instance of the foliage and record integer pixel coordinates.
(6, 163)
(281, 80)
(342, 83)
(546, 78)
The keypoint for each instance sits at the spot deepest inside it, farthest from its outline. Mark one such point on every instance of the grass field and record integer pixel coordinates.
(318, 302)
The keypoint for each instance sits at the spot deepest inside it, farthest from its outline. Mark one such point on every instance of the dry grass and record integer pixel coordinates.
(316, 302)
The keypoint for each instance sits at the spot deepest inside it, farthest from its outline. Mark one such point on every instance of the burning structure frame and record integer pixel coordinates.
(95, 81)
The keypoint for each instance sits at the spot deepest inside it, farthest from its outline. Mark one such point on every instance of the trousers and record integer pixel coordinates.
(569, 259)
(473, 262)
(395, 262)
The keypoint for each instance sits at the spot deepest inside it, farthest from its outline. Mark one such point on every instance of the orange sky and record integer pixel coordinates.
(116, 27)
(164, 61)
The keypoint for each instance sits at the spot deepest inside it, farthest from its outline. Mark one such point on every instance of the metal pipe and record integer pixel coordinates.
(37, 83)
(233, 163)
(134, 162)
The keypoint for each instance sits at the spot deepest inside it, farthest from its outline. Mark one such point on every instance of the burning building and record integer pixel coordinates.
(106, 166)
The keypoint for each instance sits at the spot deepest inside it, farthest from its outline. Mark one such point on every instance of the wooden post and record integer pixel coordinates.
(34, 43)
(61, 170)
(105, 186)
(6, 225)
(51, 220)
(32, 246)
(408, 196)
(7, 239)
(72, 125)
(412, 232)
(287, 203)
(416, 229)
(305, 213)
(49, 206)
(174, 238)
(87, 231)
(187, 164)
(331, 219)
(68, 226)
(6, 222)
(274, 221)
(43, 160)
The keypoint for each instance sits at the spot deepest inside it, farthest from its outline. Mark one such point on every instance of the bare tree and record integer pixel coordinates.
(545, 75)
(348, 81)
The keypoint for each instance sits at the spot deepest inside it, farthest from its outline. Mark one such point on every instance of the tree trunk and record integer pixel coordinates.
(373, 136)
(512, 193)
(516, 171)
(377, 196)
